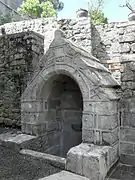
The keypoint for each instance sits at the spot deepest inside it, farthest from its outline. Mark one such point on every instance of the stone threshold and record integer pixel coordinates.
(56, 161)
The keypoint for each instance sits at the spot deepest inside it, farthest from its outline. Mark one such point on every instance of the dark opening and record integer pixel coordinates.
(64, 106)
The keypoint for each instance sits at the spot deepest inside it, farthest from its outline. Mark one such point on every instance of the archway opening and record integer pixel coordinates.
(64, 106)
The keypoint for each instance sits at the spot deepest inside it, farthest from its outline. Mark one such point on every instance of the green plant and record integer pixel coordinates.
(96, 11)
(40, 8)
(47, 9)
(97, 16)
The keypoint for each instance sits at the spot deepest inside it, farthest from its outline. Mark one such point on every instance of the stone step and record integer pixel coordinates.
(15, 141)
(64, 175)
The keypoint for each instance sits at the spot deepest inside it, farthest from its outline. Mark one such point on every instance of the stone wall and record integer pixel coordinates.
(23, 50)
(19, 54)
(127, 110)
(107, 42)
(78, 31)
(110, 42)
(113, 44)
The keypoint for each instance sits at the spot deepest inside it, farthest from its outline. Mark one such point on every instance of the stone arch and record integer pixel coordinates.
(69, 71)
(35, 111)
(99, 117)
(31, 101)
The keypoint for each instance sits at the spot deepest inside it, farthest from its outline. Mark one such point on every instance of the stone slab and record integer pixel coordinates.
(91, 161)
(15, 138)
(15, 141)
(64, 175)
(51, 159)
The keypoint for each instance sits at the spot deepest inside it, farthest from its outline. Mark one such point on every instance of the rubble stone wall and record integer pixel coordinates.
(19, 53)
(78, 31)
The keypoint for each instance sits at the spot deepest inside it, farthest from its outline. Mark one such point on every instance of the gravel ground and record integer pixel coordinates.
(14, 166)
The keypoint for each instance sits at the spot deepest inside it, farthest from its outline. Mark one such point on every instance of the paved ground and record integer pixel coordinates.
(123, 172)
(14, 166)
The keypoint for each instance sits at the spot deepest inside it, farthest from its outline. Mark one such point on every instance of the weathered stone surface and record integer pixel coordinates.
(69, 99)
(77, 30)
(127, 38)
(17, 63)
(127, 148)
(89, 160)
(127, 159)
(107, 122)
(124, 48)
(64, 175)
(127, 134)
(133, 47)
(112, 42)
(15, 141)
(51, 159)
(110, 137)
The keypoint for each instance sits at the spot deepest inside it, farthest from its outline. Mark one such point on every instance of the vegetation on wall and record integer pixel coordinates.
(40, 8)
(96, 11)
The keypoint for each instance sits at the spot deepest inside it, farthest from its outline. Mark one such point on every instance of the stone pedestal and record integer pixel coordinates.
(91, 161)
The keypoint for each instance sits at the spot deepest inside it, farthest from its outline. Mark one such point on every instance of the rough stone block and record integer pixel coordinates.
(105, 108)
(127, 134)
(15, 141)
(88, 120)
(133, 47)
(90, 160)
(124, 48)
(128, 119)
(113, 154)
(33, 129)
(111, 137)
(107, 122)
(87, 135)
(127, 159)
(130, 37)
(127, 148)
